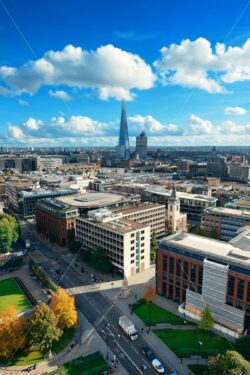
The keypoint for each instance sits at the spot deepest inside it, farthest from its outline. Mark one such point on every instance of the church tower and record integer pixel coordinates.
(173, 211)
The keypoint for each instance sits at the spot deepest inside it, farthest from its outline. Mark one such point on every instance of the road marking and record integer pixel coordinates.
(99, 312)
(134, 349)
(126, 354)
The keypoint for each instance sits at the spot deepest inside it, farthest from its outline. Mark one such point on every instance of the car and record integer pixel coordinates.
(158, 366)
(148, 353)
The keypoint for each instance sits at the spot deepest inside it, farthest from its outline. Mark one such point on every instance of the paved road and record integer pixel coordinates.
(99, 311)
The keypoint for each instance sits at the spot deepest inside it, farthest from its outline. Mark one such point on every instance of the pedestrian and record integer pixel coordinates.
(131, 312)
(142, 330)
(148, 330)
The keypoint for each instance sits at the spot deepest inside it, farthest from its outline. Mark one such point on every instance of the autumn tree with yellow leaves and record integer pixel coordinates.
(149, 297)
(12, 332)
(63, 306)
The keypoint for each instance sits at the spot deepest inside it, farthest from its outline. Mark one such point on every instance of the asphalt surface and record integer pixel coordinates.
(99, 311)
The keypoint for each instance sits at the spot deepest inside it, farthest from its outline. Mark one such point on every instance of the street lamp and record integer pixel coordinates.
(200, 343)
(107, 339)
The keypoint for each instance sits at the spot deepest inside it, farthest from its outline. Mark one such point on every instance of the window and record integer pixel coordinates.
(132, 234)
(186, 270)
(142, 257)
(200, 275)
(171, 264)
(230, 289)
(193, 272)
(240, 288)
(133, 241)
(164, 263)
(132, 261)
(178, 267)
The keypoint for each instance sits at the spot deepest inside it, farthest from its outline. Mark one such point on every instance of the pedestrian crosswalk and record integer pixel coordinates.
(38, 257)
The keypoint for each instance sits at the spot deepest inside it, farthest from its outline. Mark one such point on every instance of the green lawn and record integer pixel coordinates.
(198, 369)
(158, 314)
(26, 358)
(184, 343)
(11, 294)
(93, 364)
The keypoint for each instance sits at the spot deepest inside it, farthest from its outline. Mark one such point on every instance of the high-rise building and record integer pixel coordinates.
(142, 145)
(123, 149)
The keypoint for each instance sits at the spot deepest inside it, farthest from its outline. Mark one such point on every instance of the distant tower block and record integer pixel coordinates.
(142, 145)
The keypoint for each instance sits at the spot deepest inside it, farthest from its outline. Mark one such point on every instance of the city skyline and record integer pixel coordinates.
(184, 85)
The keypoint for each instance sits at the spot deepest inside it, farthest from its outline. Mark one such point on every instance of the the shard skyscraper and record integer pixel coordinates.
(123, 149)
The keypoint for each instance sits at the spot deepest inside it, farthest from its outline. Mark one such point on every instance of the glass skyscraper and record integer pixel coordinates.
(123, 149)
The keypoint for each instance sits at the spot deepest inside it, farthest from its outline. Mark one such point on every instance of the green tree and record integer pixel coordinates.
(232, 363)
(43, 328)
(199, 231)
(100, 261)
(8, 232)
(74, 246)
(242, 345)
(213, 234)
(85, 255)
(153, 247)
(207, 320)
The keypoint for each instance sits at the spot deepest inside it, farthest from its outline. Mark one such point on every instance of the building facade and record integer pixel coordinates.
(142, 145)
(176, 221)
(224, 221)
(56, 221)
(48, 163)
(196, 271)
(146, 213)
(126, 243)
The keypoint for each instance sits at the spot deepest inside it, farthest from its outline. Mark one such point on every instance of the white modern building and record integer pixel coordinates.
(125, 242)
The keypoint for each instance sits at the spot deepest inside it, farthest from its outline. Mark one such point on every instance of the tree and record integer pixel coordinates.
(74, 246)
(149, 297)
(12, 332)
(207, 320)
(242, 345)
(153, 247)
(8, 232)
(213, 234)
(100, 261)
(43, 328)
(199, 231)
(63, 306)
(232, 363)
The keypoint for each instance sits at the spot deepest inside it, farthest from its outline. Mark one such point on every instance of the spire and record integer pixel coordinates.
(173, 194)
(123, 144)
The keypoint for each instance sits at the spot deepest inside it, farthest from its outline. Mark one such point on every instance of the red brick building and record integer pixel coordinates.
(196, 271)
(56, 221)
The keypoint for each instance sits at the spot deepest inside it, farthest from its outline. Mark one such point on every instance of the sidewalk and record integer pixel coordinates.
(154, 342)
(88, 342)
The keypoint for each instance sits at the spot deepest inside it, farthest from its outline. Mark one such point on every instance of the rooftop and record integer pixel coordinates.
(227, 211)
(137, 208)
(180, 194)
(54, 203)
(209, 248)
(92, 199)
(121, 226)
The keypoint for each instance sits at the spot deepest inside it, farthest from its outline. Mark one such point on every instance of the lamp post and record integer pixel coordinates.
(200, 343)
(150, 302)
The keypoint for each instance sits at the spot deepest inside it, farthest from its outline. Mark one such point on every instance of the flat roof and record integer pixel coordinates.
(92, 199)
(242, 202)
(181, 194)
(37, 192)
(137, 208)
(120, 226)
(209, 248)
(227, 211)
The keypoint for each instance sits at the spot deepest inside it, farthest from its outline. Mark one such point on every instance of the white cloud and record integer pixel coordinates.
(195, 64)
(60, 94)
(16, 133)
(199, 126)
(32, 124)
(111, 71)
(23, 102)
(151, 125)
(237, 111)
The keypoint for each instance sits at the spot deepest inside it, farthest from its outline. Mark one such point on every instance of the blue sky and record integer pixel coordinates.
(183, 68)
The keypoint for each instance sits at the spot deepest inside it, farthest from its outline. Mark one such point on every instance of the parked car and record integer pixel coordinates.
(158, 366)
(148, 353)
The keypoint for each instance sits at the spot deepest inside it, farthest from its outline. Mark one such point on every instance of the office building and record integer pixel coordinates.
(21, 164)
(141, 145)
(197, 271)
(48, 163)
(146, 213)
(56, 221)
(192, 204)
(224, 221)
(96, 200)
(126, 243)
(123, 148)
